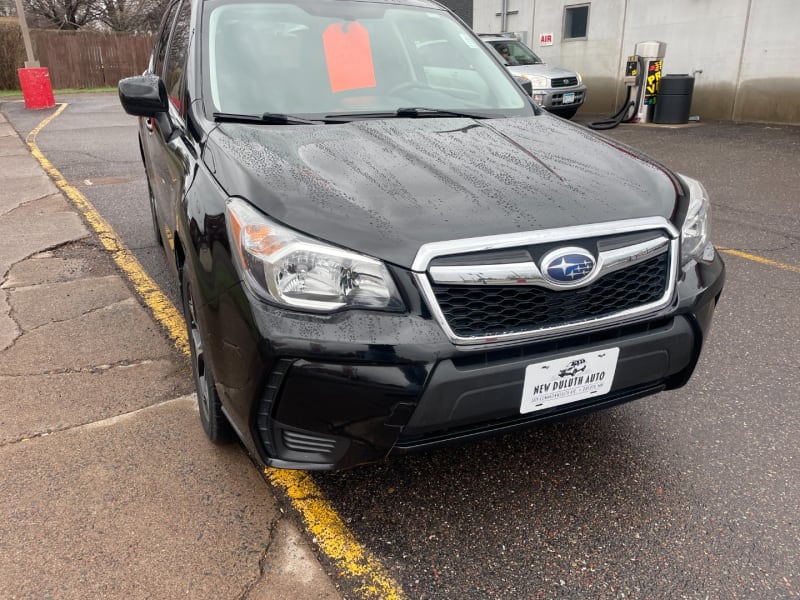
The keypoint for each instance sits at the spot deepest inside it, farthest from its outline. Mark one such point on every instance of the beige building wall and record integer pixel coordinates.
(744, 54)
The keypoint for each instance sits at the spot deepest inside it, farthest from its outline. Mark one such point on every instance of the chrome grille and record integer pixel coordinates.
(564, 82)
(491, 310)
(497, 290)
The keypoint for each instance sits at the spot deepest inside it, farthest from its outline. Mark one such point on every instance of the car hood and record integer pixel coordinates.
(385, 187)
(541, 70)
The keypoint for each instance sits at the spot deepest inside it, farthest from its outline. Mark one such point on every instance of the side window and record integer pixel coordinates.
(176, 57)
(576, 20)
(163, 38)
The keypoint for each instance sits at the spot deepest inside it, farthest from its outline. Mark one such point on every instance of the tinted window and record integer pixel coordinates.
(163, 38)
(176, 59)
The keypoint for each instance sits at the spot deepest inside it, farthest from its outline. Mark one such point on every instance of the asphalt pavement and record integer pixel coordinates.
(687, 494)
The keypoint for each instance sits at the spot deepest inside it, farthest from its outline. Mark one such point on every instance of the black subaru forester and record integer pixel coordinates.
(384, 245)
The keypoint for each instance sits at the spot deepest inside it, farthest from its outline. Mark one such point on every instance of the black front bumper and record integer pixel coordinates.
(338, 391)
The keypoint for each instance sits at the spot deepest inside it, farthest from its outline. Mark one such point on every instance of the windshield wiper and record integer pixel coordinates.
(406, 112)
(421, 111)
(267, 118)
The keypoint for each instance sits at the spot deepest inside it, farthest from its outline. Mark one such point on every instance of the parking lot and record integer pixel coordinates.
(686, 494)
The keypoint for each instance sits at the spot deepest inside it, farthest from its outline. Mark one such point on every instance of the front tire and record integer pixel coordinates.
(214, 421)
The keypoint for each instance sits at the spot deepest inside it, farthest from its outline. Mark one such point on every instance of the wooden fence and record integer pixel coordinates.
(79, 59)
(84, 59)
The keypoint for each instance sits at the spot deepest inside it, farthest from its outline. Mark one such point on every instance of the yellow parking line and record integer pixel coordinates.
(160, 305)
(759, 259)
(332, 535)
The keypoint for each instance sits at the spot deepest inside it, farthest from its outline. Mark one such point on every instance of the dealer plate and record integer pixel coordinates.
(569, 379)
(568, 98)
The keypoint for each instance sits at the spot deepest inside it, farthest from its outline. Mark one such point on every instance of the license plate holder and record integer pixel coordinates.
(568, 98)
(570, 379)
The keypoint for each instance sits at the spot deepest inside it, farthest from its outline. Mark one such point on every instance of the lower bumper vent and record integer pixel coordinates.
(303, 442)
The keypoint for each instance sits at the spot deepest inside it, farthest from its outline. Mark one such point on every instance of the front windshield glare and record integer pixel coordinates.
(327, 58)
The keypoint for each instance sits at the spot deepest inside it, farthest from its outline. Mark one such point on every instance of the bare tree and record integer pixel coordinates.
(131, 15)
(125, 16)
(7, 8)
(120, 15)
(153, 15)
(61, 14)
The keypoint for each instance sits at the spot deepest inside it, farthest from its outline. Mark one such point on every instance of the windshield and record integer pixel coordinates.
(516, 53)
(315, 58)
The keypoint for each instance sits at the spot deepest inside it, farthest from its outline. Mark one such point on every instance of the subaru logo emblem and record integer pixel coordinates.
(568, 266)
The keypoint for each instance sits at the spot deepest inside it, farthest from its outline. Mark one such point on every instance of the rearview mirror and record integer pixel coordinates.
(143, 95)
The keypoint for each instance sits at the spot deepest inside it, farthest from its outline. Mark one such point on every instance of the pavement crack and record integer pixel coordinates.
(73, 426)
(83, 314)
(85, 239)
(763, 249)
(105, 159)
(16, 331)
(25, 203)
(262, 561)
(123, 364)
(40, 434)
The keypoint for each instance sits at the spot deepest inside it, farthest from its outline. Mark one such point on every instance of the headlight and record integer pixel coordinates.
(537, 81)
(696, 230)
(297, 271)
(580, 79)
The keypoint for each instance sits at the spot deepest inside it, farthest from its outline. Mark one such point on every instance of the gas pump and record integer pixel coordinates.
(650, 56)
(642, 75)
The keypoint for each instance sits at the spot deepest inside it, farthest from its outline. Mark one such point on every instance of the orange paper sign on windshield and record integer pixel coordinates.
(349, 57)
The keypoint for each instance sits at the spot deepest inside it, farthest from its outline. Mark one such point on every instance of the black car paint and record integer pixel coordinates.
(385, 187)
(358, 357)
(359, 375)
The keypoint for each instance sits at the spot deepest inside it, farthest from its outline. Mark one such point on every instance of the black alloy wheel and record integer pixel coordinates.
(214, 421)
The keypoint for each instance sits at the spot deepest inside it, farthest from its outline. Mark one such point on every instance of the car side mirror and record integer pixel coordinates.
(143, 95)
